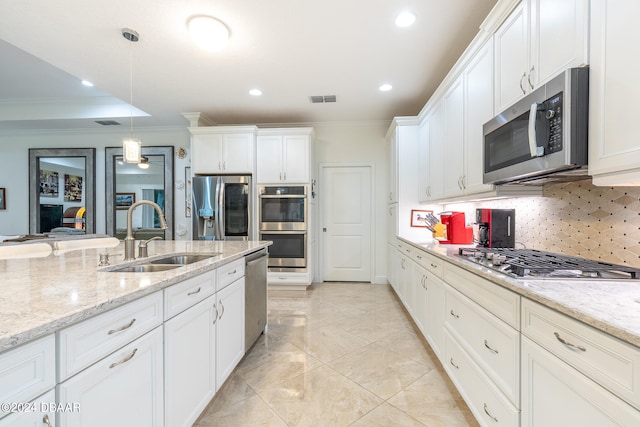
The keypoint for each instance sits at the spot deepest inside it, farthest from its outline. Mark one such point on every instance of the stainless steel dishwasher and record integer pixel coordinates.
(255, 296)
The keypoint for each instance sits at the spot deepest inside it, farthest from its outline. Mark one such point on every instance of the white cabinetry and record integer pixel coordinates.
(42, 414)
(124, 388)
(453, 138)
(540, 39)
(435, 189)
(614, 152)
(393, 167)
(223, 149)
(284, 155)
(229, 329)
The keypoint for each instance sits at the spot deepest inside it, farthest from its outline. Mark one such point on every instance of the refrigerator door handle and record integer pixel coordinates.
(221, 212)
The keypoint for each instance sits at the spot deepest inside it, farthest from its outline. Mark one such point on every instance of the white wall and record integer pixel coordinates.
(361, 143)
(14, 169)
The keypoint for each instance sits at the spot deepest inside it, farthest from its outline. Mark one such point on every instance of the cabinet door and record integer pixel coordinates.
(124, 389)
(269, 153)
(190, 375)
(420, 298)
(435, 314)
(512, 57)
(423, 161)
(558, 37)
(295, 158)
(393, 167)
(453, 136)
(436, 152)
(555, 394)
(229, 330)
(237, 153)
(478, 104)
(614, 152)
(206, 154)
(392, 222)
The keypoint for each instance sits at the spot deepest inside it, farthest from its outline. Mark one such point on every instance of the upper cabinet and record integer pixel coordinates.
(614, 152)
(536, 42)
(223, 149)
(284, 155)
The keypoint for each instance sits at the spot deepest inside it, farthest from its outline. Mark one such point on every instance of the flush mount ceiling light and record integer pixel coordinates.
(405, 19)
(87, 83)
(208, 33)
(144, 163)
(131, 147)
(255, 92)
(385, 87)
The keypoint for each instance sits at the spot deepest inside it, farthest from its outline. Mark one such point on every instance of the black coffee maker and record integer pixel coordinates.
(496, 228)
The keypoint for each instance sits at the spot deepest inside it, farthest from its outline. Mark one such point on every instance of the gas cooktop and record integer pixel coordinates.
(534, 264)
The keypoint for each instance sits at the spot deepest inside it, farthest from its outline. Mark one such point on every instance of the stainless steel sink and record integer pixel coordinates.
(144, 268)
(183, 259)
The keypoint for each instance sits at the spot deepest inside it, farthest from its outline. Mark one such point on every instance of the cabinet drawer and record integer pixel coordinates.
(494, 345)
(608, 361)
(488, 404)
(181, 296)
(87, 342)
(499, 301)
(229, 273)
(27, 371)
(431, 263)
(41, 412)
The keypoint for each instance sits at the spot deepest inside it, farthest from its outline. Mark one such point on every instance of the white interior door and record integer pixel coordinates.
(346, 228)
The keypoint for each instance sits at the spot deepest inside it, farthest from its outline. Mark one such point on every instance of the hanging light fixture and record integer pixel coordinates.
(131, 147)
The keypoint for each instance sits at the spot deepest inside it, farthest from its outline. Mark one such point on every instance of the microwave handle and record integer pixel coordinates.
(533, 146)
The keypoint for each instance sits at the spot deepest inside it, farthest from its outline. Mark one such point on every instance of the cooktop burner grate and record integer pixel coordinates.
(534, 263)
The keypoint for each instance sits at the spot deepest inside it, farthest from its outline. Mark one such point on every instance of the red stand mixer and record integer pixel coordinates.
(456, 230)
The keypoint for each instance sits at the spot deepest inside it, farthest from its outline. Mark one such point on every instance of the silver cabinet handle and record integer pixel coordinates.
(454, 315)
(285, 176)
(521, 79)
(453, 364)
(231, 273)
(486, 344)
(568, 344)
(434, 265)
(529, 77)
(125, 360)
(224, 165)
(221, 314)
(196, 291)
(123, 328)
(45, 420)
(486, 411)
(215, 318)
(219, 165)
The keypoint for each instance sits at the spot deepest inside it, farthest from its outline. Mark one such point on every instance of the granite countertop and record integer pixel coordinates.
(42, 295)
(612, 306)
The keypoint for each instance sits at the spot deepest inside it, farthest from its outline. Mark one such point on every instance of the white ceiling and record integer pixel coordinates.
(290, 49)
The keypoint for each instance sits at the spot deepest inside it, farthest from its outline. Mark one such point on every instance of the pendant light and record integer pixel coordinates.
(131, 147)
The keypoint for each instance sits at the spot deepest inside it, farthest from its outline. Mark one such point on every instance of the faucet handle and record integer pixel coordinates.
(142, 247)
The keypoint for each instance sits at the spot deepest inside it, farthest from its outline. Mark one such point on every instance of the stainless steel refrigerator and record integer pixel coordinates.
(222, 207)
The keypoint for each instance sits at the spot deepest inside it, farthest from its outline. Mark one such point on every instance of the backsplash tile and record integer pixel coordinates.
(575, 218)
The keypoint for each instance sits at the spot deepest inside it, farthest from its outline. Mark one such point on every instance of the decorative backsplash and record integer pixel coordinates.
(575, 218)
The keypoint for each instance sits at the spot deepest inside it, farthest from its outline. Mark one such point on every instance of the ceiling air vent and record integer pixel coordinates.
(107, 122)
(322, 99)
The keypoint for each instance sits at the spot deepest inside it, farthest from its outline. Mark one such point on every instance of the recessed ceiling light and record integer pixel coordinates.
(208, 33)
(405, 19)
(87, 83)
(385, 87)
(255, 92)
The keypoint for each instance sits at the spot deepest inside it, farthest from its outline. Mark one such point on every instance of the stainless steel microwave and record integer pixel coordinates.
(542, 134)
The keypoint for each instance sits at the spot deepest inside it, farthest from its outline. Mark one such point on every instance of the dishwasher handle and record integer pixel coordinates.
(255, 257)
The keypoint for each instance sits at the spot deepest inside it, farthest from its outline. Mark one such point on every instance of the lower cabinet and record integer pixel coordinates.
(190, 355)
(435, 314)
(41, 414)
(555, 394)
(123, 389)
(229, 330)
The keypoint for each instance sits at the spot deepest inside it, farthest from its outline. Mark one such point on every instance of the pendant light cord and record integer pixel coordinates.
(131, 87)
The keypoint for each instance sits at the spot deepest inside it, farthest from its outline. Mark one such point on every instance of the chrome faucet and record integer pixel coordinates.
(129, 241)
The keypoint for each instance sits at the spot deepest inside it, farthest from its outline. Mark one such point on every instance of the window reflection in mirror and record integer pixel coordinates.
(62, 191)
(151, 180)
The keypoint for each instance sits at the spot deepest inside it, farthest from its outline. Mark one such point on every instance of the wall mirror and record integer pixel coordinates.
(127, 183)
(62, 190)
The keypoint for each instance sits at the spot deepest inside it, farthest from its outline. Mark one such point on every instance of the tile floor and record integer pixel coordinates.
(339, 354)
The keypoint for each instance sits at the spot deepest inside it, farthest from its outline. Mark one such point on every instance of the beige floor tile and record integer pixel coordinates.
(433, 401)
(249, 412)
(379, 370)
(386, 415)
(327, 343)
(234, 390)
(408, 343)
(320, 397)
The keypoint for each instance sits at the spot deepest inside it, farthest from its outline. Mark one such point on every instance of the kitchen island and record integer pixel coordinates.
(157, 344)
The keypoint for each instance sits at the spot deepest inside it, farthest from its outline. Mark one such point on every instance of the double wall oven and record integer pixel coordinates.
(282, 212)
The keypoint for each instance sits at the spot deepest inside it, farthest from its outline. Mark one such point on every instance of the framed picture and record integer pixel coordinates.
(418, 217)
(3, 198)
(72, 188)
(125, 200)
(48, 183)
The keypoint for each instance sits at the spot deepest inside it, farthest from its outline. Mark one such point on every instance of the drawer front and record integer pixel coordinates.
(433, 264)
(41, 413)
(227, 274)
(181, 296)
(488, 404)
(499, 301)
(608, 361)
(27, 371)
(89, 341)
(494, 345)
